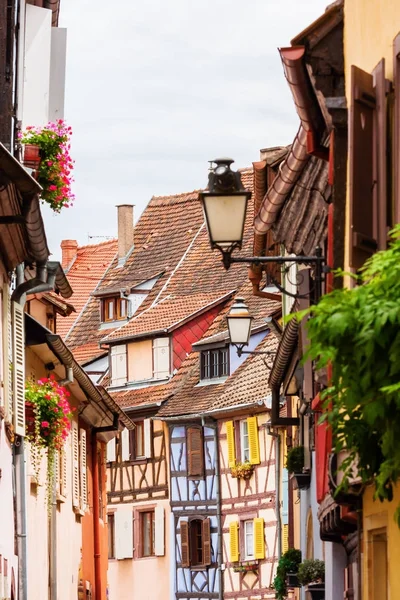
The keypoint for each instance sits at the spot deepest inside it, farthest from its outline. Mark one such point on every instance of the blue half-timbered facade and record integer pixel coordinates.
(194, 493)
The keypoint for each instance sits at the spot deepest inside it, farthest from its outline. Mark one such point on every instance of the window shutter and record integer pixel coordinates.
(63, 464)
(83, 474)
(118, 365)
(159, 534)
(285, 538)
(230, 436)
(363, 243)
(7, 350)
(304, 302)
(254, 448)
(123, 524)
(161, 362)
(111, 450)
(184, 527)
(18, 369)
(234, 541)
(380, 157)
(147, 438)
(396, 128)
(206, 531)
(195, 452)
(75, 464)
(57, 471)
(259, 546)
(125, 447)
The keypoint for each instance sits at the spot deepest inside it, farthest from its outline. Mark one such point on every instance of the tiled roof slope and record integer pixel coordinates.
(88, 267)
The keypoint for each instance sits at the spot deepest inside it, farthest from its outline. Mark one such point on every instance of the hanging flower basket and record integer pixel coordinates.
(242, 470)
(48, 422)
(32, 156)
(47, 149)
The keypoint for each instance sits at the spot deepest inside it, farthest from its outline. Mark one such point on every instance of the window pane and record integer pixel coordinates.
(196, 542)
(244, 441)
(224, 362)
(147, 533)
(139, 450)
(215, 372)
(206, 364)
(111, 537)
(122, 308)
(110, 309)
(248, 539)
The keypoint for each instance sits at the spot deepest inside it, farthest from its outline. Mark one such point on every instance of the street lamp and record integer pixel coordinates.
(225, 204)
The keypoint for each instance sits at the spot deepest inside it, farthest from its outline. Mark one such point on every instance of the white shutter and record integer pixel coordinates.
(111, 450)
(147, 438)
(18, 368)
(57, 470)
(123, 525)
(159, 534)
(161, 361)
(125, 450)
(7, 351)
(118, 365)
(63, 466)
(75, 464)
(82, 465)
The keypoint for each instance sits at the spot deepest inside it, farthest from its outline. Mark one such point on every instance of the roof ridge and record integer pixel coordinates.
(112, 241)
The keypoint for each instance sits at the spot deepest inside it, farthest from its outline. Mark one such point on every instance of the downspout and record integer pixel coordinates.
(96, 505)
(219, 512)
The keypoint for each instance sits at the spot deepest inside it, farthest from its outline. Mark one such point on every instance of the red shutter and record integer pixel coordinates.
(361, 161)
(206, 542)
(195, 454)
(184, 543)
(396, 128)
(380, 157)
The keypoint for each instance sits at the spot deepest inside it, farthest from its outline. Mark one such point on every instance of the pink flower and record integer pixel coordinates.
(45, 424)
(49, 163)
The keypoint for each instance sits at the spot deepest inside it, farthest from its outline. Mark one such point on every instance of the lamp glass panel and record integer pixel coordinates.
(225, 218)
(239, 329)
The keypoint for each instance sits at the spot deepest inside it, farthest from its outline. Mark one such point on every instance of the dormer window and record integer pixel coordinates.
(114, 309)
(214, 363)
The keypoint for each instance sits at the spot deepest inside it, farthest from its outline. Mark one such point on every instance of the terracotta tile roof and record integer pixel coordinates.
(63, 307)
(166, 315)
(88, 267)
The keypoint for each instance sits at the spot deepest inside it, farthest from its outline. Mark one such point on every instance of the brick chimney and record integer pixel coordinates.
(69, 249)
(125, 230)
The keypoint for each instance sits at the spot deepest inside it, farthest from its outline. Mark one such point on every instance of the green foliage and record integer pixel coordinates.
(311, 571)
(357, 332)
(295, 459)
(288, 563)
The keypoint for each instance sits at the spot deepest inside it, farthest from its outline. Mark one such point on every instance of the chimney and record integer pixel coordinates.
(125, 231)
(69, 249)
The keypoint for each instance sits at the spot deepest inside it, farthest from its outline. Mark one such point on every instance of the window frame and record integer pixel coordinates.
(116, 302)
(134, 456)
(203, 533)
(141, 514)
(111, 535)
(209, 369)
(245, 534)
(243, 437)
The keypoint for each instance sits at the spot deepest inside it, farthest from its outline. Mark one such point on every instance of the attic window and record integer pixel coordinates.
(114, 309)
(214, 363)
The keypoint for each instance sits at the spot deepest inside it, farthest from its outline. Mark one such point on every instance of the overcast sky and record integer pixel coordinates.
(157, 88)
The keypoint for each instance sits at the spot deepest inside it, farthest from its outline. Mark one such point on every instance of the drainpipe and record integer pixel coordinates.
(278, 486)
(96, 505)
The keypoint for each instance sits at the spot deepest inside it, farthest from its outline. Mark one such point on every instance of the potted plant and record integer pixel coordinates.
(242, 470)
(288, 563)
(47, 150)
(311, 574)
(48, 415)
(295, 466)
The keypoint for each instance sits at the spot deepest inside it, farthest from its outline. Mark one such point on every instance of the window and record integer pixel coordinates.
(195, 452)
(147, 530)
(195, 542)
(51, 321)
(136, 441)
(214, 363)
(114, 309)
(248, 540)
(111, 535)
(244, 441)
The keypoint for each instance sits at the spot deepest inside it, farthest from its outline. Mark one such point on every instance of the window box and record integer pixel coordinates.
(242, 470)
(301, 480)
(292, 580)
(316, 590)
(246, 567)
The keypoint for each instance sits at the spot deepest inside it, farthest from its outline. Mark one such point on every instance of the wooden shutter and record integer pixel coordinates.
(258, 536)
(304, 290)
(380, 157)
(18, 368)
(125, 446)
(123, 526)
(230, 437)
(111, 450)
(184, 527)
(285, 538)
(195, 454)
(206, 531)
(161, 361)
(147, 438)
(75, 464)
(82, 465)
(363, 243)
(234, 541)
(118, 365)
(159, 533)
(254, 448)
(396, 128)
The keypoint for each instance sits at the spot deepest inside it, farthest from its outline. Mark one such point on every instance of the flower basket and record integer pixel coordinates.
(32, 156)
(242, 470)
(292, 580)
(316, 590)
(301, 480)
(47, 149)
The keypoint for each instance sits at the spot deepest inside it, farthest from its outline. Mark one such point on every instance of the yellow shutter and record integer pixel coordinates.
(259, 546)
(254, 449)
(230, 436)
(234, 541)
(285, 538)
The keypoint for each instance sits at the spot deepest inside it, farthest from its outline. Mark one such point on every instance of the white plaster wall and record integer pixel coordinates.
(7, 510)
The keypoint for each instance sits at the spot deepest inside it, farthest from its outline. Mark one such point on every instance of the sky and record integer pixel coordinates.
(155, 89)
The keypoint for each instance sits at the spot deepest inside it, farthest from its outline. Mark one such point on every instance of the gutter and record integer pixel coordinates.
(49, 275)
